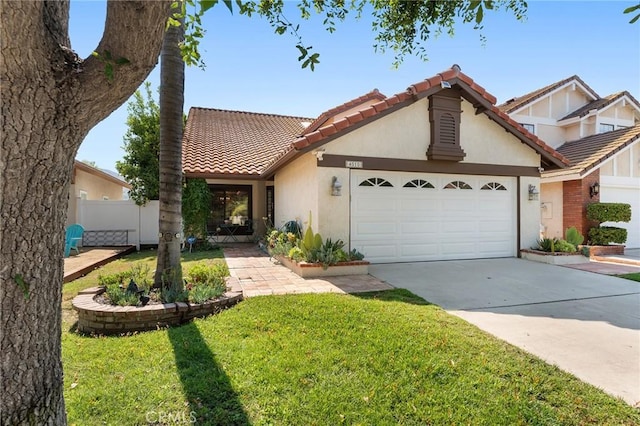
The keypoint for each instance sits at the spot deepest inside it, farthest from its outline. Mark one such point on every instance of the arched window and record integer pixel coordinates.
(375, 181)
(493, 186)
(457, 184)
(418, 183)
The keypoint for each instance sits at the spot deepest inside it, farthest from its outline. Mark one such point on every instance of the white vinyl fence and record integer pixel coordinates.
(118, 223)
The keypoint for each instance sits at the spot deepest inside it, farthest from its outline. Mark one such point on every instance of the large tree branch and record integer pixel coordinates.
(133, 30)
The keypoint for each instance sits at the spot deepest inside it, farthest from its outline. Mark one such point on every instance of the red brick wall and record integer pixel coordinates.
(576, 198)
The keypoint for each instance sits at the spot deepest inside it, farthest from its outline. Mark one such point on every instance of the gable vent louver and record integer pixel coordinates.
(444, 118)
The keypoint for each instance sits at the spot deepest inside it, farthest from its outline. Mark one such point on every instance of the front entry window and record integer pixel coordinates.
(231, 206)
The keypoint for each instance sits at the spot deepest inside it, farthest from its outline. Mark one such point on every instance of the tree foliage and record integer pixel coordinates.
(404, 26)
(140, 165)
(196, 206)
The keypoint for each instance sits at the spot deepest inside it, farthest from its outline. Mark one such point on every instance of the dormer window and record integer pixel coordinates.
(529, 127)
(444, 117)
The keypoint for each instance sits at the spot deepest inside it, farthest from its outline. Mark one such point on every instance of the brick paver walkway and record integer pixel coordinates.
(259, 275)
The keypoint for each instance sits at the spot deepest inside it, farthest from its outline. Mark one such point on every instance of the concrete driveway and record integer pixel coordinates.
(585, 323)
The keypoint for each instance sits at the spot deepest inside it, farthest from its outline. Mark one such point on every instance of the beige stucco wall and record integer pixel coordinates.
(333, 211)
(625, 164)
(405, 134)
(607, 168)
(95, 187)
(554, 136)
(302, 186)
(540, 108)
(530, 217)
(575, 99)
(572, 132)
(296, 191)
(551, 209)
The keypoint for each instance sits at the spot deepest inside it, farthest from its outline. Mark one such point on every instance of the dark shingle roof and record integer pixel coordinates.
(587, 153)
(600, 104)
(516, 103)
(221, 142)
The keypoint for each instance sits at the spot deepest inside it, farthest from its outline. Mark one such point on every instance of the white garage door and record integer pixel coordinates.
(612, 193)
(403, 217)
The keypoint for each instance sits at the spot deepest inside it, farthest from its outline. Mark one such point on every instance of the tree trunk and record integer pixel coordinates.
(169, 269)
(50, 101)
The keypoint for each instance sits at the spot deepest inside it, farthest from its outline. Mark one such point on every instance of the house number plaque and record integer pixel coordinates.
(353, 164)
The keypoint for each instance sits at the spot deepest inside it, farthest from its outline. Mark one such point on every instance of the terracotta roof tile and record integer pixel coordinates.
(427, 86)
(586, 153)
(327, 115)
(219, 142)
(252, 144)
(518, 102)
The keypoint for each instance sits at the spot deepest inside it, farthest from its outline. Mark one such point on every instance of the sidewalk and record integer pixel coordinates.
(613, 264)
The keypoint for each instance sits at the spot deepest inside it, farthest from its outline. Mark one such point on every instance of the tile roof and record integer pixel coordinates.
(587, 153)
(601, 103)
(518, 102)
(471, 90)
(221, 143)
(374, 95)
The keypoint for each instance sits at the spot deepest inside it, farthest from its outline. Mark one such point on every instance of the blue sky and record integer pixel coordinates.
(249, 68)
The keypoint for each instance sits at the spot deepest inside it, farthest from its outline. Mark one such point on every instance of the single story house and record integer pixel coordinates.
(601, 139)
(432, 173)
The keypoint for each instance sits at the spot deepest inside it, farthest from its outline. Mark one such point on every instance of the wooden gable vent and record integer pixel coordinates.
(444, 118)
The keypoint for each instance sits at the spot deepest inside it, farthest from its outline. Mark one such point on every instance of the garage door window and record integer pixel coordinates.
(493, 186)
(418, 183)
(375, 181)
(457, 184)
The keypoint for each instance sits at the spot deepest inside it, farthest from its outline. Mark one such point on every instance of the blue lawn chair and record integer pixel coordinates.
(72, 237)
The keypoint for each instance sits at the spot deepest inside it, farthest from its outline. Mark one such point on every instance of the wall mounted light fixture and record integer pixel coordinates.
(594, 189)
(533, 193)
(336, 187)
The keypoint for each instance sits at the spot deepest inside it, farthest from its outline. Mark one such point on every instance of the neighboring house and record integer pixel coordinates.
(600, 137)
(435, 172)
(90, 183)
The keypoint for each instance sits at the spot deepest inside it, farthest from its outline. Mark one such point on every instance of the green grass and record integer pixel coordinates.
(635, 276)
(375, 359)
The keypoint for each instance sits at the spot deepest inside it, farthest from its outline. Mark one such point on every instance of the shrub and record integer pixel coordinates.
(117, 285)
(297, 254)
(609, 212)
(605, 235)
(573, 236)
(552, 245)
(355, 255)
(565, 247)
(202, 293)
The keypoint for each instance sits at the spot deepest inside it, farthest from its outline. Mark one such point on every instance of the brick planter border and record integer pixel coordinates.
(313, 270)
(98, 318)
(605, 250)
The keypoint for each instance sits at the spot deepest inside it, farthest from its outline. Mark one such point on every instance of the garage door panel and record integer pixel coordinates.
(494, 226)
(419, 249)
(420, 228)
(399, 224)
(373, 205)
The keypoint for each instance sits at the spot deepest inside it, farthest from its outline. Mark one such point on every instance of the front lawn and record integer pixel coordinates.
(635, 276)
(322, 359)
